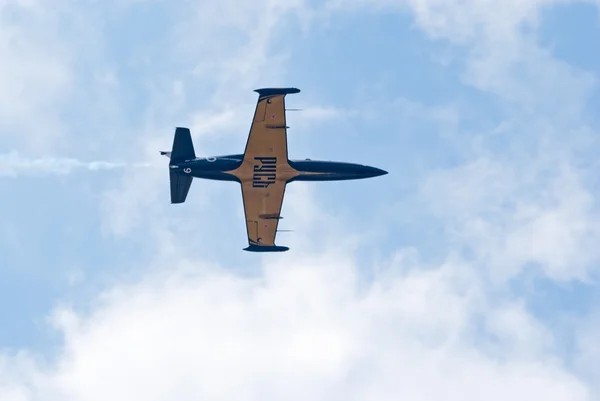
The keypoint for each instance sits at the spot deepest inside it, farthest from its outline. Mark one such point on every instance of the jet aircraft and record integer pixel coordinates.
(263, 170)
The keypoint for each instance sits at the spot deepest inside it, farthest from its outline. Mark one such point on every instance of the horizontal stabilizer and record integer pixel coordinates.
(183, 147)
(180, 186)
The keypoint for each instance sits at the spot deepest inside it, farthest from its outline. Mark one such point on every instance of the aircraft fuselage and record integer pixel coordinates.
(266, 170)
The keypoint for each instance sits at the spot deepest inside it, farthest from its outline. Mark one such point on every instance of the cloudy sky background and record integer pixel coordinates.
(469, 272)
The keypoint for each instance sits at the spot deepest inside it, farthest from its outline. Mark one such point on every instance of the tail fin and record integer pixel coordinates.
(180, 186)
(183, 147)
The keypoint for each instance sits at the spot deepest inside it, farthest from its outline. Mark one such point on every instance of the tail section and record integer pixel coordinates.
(180, 186)
(183, 150)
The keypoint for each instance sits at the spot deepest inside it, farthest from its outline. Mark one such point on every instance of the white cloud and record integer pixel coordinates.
(588, 348)
(513, 214)
(35, 74)
(301, 330)
(520, 197)
(503, 56)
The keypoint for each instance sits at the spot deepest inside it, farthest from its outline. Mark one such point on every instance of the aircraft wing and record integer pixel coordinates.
(268, 133)
(263, 171)
(262, 207)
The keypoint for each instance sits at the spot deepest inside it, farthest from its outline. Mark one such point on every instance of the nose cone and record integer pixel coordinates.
(369, 172)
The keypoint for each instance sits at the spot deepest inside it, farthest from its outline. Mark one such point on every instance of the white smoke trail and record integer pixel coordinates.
(12, 165)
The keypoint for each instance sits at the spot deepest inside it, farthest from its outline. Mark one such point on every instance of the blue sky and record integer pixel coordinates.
(470, 271)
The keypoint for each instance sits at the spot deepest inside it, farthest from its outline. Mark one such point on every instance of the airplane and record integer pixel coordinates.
(263, 170)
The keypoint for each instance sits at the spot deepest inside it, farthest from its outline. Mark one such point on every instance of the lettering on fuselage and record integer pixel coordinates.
(265, 172)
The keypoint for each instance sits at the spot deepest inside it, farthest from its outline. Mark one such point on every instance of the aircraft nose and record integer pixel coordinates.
(374, 172)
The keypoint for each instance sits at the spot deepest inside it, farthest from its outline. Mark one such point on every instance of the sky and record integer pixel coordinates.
(471, 271)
